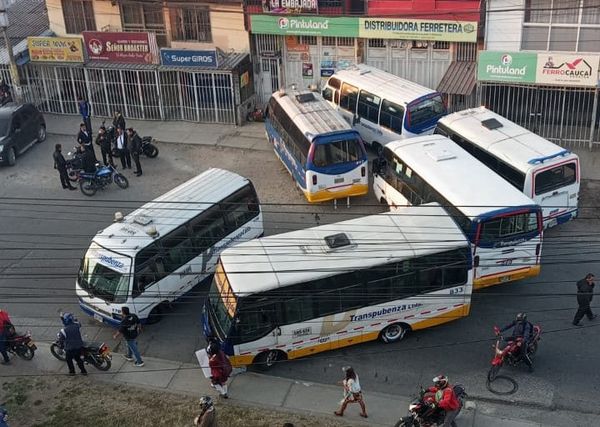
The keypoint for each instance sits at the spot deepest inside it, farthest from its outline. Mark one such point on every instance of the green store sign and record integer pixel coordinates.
(304, 25)
(516, 67)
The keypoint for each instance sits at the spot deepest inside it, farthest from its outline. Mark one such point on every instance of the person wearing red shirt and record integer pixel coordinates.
(446, 399)
(4, 322)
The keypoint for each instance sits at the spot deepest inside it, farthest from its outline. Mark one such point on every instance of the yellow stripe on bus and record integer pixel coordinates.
(510, 276)
(446, 316)
(325, 195)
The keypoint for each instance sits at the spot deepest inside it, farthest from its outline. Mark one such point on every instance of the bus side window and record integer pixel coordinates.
(391, 116)
(349, 97)
(368, 106)
(328, 94)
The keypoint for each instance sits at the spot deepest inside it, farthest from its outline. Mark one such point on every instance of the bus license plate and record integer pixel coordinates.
(504, 279)
(338, 180)
(98, 318)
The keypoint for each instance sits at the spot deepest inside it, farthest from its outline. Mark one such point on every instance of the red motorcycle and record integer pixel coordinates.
(22, 345)
(509, 351)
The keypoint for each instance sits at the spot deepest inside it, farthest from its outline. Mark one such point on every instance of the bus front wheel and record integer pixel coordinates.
(155, 315)
(393, 333)
(265, 360)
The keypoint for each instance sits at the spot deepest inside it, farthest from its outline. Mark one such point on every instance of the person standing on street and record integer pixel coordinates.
(130, 328)
(60, 164)
(208, 414)
(135, 147)
(71, 333)
(84, 138)
(5, 323)
(105, 146)
(123, 150)
(118, 120)
(585, 294)
(85, 110)
(352, 393)
(220, 368)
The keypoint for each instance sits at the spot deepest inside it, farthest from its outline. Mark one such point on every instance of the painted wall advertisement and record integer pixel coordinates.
(290, 6)
(304, 25)
(131, 48)
(417, 29)
(55, 49)
(189, 58)
(542, 68)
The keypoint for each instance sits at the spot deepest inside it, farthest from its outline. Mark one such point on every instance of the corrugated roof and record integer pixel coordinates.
(459, 79)
(26, 18)
(225, 62)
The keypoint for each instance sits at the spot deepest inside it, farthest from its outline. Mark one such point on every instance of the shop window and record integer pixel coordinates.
(345, 41)
(441, 45)
(79, 16)
(376, 43)
(328, 41)
(310, 40)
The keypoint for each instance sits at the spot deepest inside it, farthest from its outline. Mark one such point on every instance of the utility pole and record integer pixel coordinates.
(14, 71)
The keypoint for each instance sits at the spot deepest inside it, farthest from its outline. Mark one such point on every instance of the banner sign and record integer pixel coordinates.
(567, 70)
(541, 68)
(131, 48)
(55, 49)
(290, 6)
(304, 25)
(189, 58)
(418, 29)
(515, 67)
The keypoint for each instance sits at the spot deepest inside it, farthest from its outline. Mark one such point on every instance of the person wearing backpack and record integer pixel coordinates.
(130, 328)
(352, 393)
(5, 324)
(220, 368)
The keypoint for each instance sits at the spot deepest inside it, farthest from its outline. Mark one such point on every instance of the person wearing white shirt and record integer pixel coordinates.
(122, 149)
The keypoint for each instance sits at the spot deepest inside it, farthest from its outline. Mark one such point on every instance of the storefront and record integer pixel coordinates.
(305, 50)
(552, 94)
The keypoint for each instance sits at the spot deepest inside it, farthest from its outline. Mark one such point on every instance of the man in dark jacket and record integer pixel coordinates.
(118, 120)
(60, 164)
(130, 327)
(105, 146)
(71, 334)
(88, 162)
(84, 138)
(522, 329)
(585, 293)
(121, 144)
(135, 146)
(85, 111)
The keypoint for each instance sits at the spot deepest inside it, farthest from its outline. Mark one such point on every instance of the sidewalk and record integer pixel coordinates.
(252, 389)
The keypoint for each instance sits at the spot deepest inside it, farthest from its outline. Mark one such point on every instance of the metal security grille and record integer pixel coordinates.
(147, 94)
(566, 116)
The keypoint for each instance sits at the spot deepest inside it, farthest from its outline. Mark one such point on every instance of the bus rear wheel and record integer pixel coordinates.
(265, 360)
(393, 333)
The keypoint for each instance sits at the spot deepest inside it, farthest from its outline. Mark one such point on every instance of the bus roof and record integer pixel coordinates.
(311, 113)
(383, 84)
(458, 176)
(504, 139)
(289, 258)
(169, 211)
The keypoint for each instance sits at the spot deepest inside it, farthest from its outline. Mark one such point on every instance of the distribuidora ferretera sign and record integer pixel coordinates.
(418, 29)
(189, 58)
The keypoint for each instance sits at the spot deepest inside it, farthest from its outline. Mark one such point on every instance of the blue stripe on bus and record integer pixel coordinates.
(294, 166)
(427, 125)
(550, 157)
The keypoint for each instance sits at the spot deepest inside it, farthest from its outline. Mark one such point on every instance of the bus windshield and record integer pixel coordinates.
(222, 300)
(336, 152)
(105, 275)
(509, 227)
(425, 112)
(555, 178)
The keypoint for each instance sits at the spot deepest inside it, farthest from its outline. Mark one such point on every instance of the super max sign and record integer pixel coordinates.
(189, 58)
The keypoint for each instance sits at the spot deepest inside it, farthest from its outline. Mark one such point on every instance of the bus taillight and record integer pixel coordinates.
(314, 179)
(363, 171)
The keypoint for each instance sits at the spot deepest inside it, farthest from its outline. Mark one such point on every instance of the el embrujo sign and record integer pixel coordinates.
(132, 48)
(290, 6)
(542, 68)
(417, 29)
(55, 49)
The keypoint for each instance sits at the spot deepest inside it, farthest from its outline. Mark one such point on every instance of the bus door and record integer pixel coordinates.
(149, 272)
(367, 120)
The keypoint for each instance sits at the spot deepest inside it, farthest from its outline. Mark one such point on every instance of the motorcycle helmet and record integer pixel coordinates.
(440, 381)
(205, 403)
(521, 317)
(67, 318)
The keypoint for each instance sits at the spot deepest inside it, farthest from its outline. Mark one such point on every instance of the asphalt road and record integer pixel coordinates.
(43, 237)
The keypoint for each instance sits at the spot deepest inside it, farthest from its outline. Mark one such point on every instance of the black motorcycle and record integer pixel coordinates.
(74, 165)
(148, 147)
(95, 354)
(423, 411)
(103, 176)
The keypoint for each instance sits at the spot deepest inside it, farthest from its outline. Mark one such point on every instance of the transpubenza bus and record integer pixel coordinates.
(324, 155)
(383, 107)
(543, 171)
(162, 250)
(503, 225)
(323, 288)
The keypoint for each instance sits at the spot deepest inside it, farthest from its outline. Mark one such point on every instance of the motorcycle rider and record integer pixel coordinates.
(446, 399)
(522, 330)
(71, 334)
(105, 146)
(5, 324)
(88, 161)
(84, 138)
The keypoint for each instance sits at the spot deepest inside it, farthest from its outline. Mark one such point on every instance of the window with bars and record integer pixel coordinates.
(191, 24)
(311, 40)
(376, 43)
(562, 25)
(79, 16)
(144, 17)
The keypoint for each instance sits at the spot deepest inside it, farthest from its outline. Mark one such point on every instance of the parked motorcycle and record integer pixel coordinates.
(21, 345)
(94, 353)
(74, 165)
(423, 411)
(104, 175)
(509, 351)
(148, 147)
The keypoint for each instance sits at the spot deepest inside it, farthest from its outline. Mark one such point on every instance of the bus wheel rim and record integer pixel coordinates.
(394, 332)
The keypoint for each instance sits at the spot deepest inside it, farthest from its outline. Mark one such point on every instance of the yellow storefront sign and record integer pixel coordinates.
(417, 29)
(55, 49)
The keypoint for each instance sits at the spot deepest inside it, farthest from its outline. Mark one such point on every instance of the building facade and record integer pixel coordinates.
(304, 42)
(540, 67)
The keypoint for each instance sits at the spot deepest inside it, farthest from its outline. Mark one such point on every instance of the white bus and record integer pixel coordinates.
(324, 155)
(503, 225)
(383, 107)
(543, 171)
(162, 250)
(332, 286)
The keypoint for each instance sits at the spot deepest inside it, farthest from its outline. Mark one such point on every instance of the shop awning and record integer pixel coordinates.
(460, 79)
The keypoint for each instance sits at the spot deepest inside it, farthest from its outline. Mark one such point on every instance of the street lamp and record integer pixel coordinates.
(14, 71)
